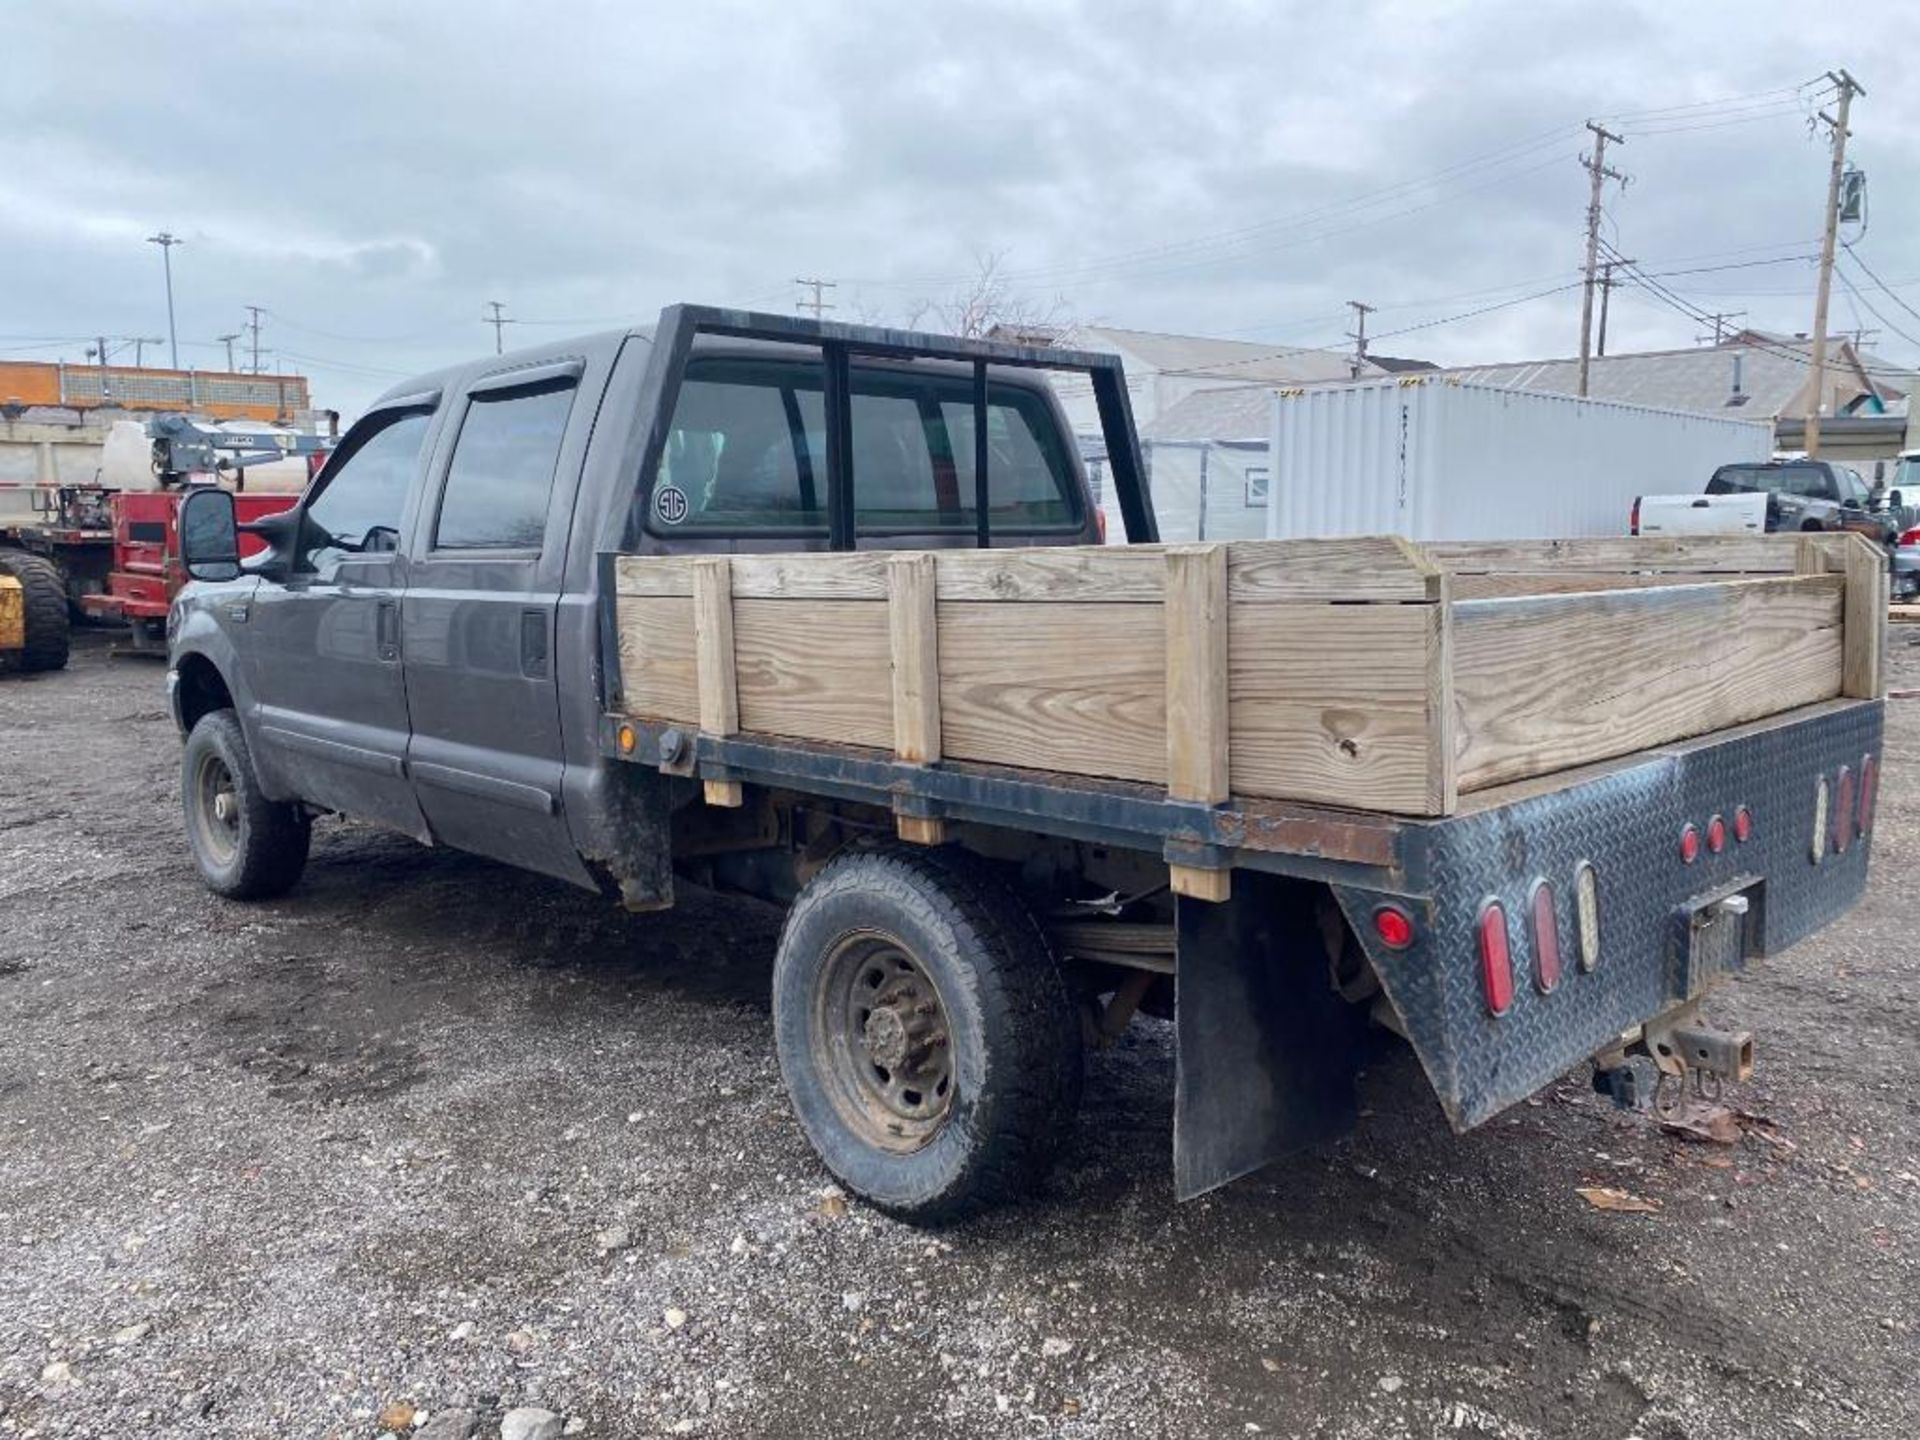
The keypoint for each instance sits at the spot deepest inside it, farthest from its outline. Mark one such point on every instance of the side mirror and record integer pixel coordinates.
(209, 535)
(1895, 500)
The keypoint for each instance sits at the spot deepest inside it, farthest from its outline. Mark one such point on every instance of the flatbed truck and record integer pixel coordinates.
(818, 612)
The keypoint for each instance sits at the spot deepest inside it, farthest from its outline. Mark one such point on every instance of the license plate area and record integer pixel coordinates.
(1713, 934)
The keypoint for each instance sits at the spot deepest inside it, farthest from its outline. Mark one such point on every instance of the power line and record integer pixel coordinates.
(1854, 255)
(1872, 310)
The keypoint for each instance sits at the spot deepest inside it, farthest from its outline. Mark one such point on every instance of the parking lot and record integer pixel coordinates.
(430, 1135)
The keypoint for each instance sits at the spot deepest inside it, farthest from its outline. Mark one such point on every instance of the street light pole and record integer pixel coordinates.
(166, 241)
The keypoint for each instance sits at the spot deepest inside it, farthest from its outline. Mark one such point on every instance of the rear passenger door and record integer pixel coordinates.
(477, 620)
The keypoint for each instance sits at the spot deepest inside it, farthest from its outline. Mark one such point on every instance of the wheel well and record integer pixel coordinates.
(202, 689)
(1811, 525)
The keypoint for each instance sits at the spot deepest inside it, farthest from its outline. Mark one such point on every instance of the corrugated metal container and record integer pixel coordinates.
(1441, 460)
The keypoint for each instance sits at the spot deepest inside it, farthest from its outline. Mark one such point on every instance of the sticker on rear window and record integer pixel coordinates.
(670, 504)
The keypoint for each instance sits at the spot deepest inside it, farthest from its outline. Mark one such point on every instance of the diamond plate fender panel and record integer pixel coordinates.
(1627, 824)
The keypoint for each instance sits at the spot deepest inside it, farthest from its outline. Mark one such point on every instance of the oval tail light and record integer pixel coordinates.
(1586, 913)
(1818, 849)
(1843, 817)
(1689, 843)
(1546, 938)
(1869, 791)
(1496, 959)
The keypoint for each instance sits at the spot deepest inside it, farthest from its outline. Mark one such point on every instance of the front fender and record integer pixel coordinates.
(200, 631)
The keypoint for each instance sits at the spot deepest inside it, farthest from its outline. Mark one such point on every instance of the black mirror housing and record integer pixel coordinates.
(209, 535)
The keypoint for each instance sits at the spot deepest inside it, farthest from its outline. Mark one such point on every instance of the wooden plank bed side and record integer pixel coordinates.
(1620, 554)
(1548, 683)
(1330, 703)
(1366, 568)
(817, 671)
(658, 676)
(1068, 686)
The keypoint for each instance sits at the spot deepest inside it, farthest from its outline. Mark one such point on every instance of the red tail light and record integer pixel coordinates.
(1743, 824)
(1869, 791)
(1843, 816)
(1546, 939)
(1689, 843)
(1496, 961)
(1716, 834)
(1909, 537)
(1633, 517)
(1100, 524)
(1393, 927)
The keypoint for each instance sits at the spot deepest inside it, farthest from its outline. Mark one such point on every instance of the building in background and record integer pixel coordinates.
(1163, 370)
(1755, 374)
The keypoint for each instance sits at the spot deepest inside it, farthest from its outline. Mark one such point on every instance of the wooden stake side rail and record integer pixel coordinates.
(1370, 674)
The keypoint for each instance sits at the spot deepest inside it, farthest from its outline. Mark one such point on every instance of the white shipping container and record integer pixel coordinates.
(1434, 459)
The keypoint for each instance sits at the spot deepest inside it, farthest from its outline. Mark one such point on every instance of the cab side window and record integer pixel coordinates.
(363, 493)
(500, 480)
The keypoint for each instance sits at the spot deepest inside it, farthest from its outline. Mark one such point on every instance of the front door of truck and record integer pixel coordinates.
(329, 698)
(477, 619)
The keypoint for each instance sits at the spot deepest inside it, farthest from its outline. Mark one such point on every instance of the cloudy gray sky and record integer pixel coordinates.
(373, 173)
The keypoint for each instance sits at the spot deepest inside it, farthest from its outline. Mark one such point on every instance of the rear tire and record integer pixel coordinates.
(46, 610)
(247, 846)
(931, 1049)
(960, 1093)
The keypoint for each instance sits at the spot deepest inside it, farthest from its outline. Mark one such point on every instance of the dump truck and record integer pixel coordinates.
(818, 613)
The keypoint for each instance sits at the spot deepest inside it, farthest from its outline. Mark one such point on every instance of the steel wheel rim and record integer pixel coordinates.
(216, 810)
(883, 1043)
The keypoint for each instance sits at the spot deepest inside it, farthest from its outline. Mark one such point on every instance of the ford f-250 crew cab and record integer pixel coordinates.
(816, 611)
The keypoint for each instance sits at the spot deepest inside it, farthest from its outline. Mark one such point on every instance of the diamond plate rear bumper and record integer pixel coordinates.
(1626, 823)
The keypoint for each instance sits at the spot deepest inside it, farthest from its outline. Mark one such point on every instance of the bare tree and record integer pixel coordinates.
(988, 303)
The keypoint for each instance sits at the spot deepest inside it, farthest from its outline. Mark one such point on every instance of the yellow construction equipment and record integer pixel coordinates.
(33, 613)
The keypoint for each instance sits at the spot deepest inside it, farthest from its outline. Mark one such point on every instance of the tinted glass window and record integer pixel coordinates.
(748, 451)
(501, 477)
(1781, 479)
(742, 451)
(363, 493)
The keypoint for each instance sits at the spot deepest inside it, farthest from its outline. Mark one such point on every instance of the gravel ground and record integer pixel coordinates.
(429, 1135)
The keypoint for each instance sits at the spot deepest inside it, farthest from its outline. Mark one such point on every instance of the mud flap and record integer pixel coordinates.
(1267, 1050)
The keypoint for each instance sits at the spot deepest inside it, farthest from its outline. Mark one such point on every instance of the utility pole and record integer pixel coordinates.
(227, 340)
(166, 241)
(818, 304)
(497, 320)
(99, 351)
(1359, 337)
(1601, 172)
(1849, 87)
(1607, 282)
(140, 343)
(253, 329)
(1721, 325)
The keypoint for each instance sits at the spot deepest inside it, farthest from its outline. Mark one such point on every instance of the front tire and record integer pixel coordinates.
(928, 1042)
(247, 846)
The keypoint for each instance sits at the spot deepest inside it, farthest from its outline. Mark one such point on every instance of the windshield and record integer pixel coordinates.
(1906, 478)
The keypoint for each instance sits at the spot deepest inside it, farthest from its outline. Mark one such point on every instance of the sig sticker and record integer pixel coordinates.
(670, 504)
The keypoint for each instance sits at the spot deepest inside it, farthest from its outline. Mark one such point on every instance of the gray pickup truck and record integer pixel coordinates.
(450, 636)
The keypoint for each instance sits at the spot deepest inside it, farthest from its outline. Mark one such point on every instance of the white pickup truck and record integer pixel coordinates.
(1700, 514)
